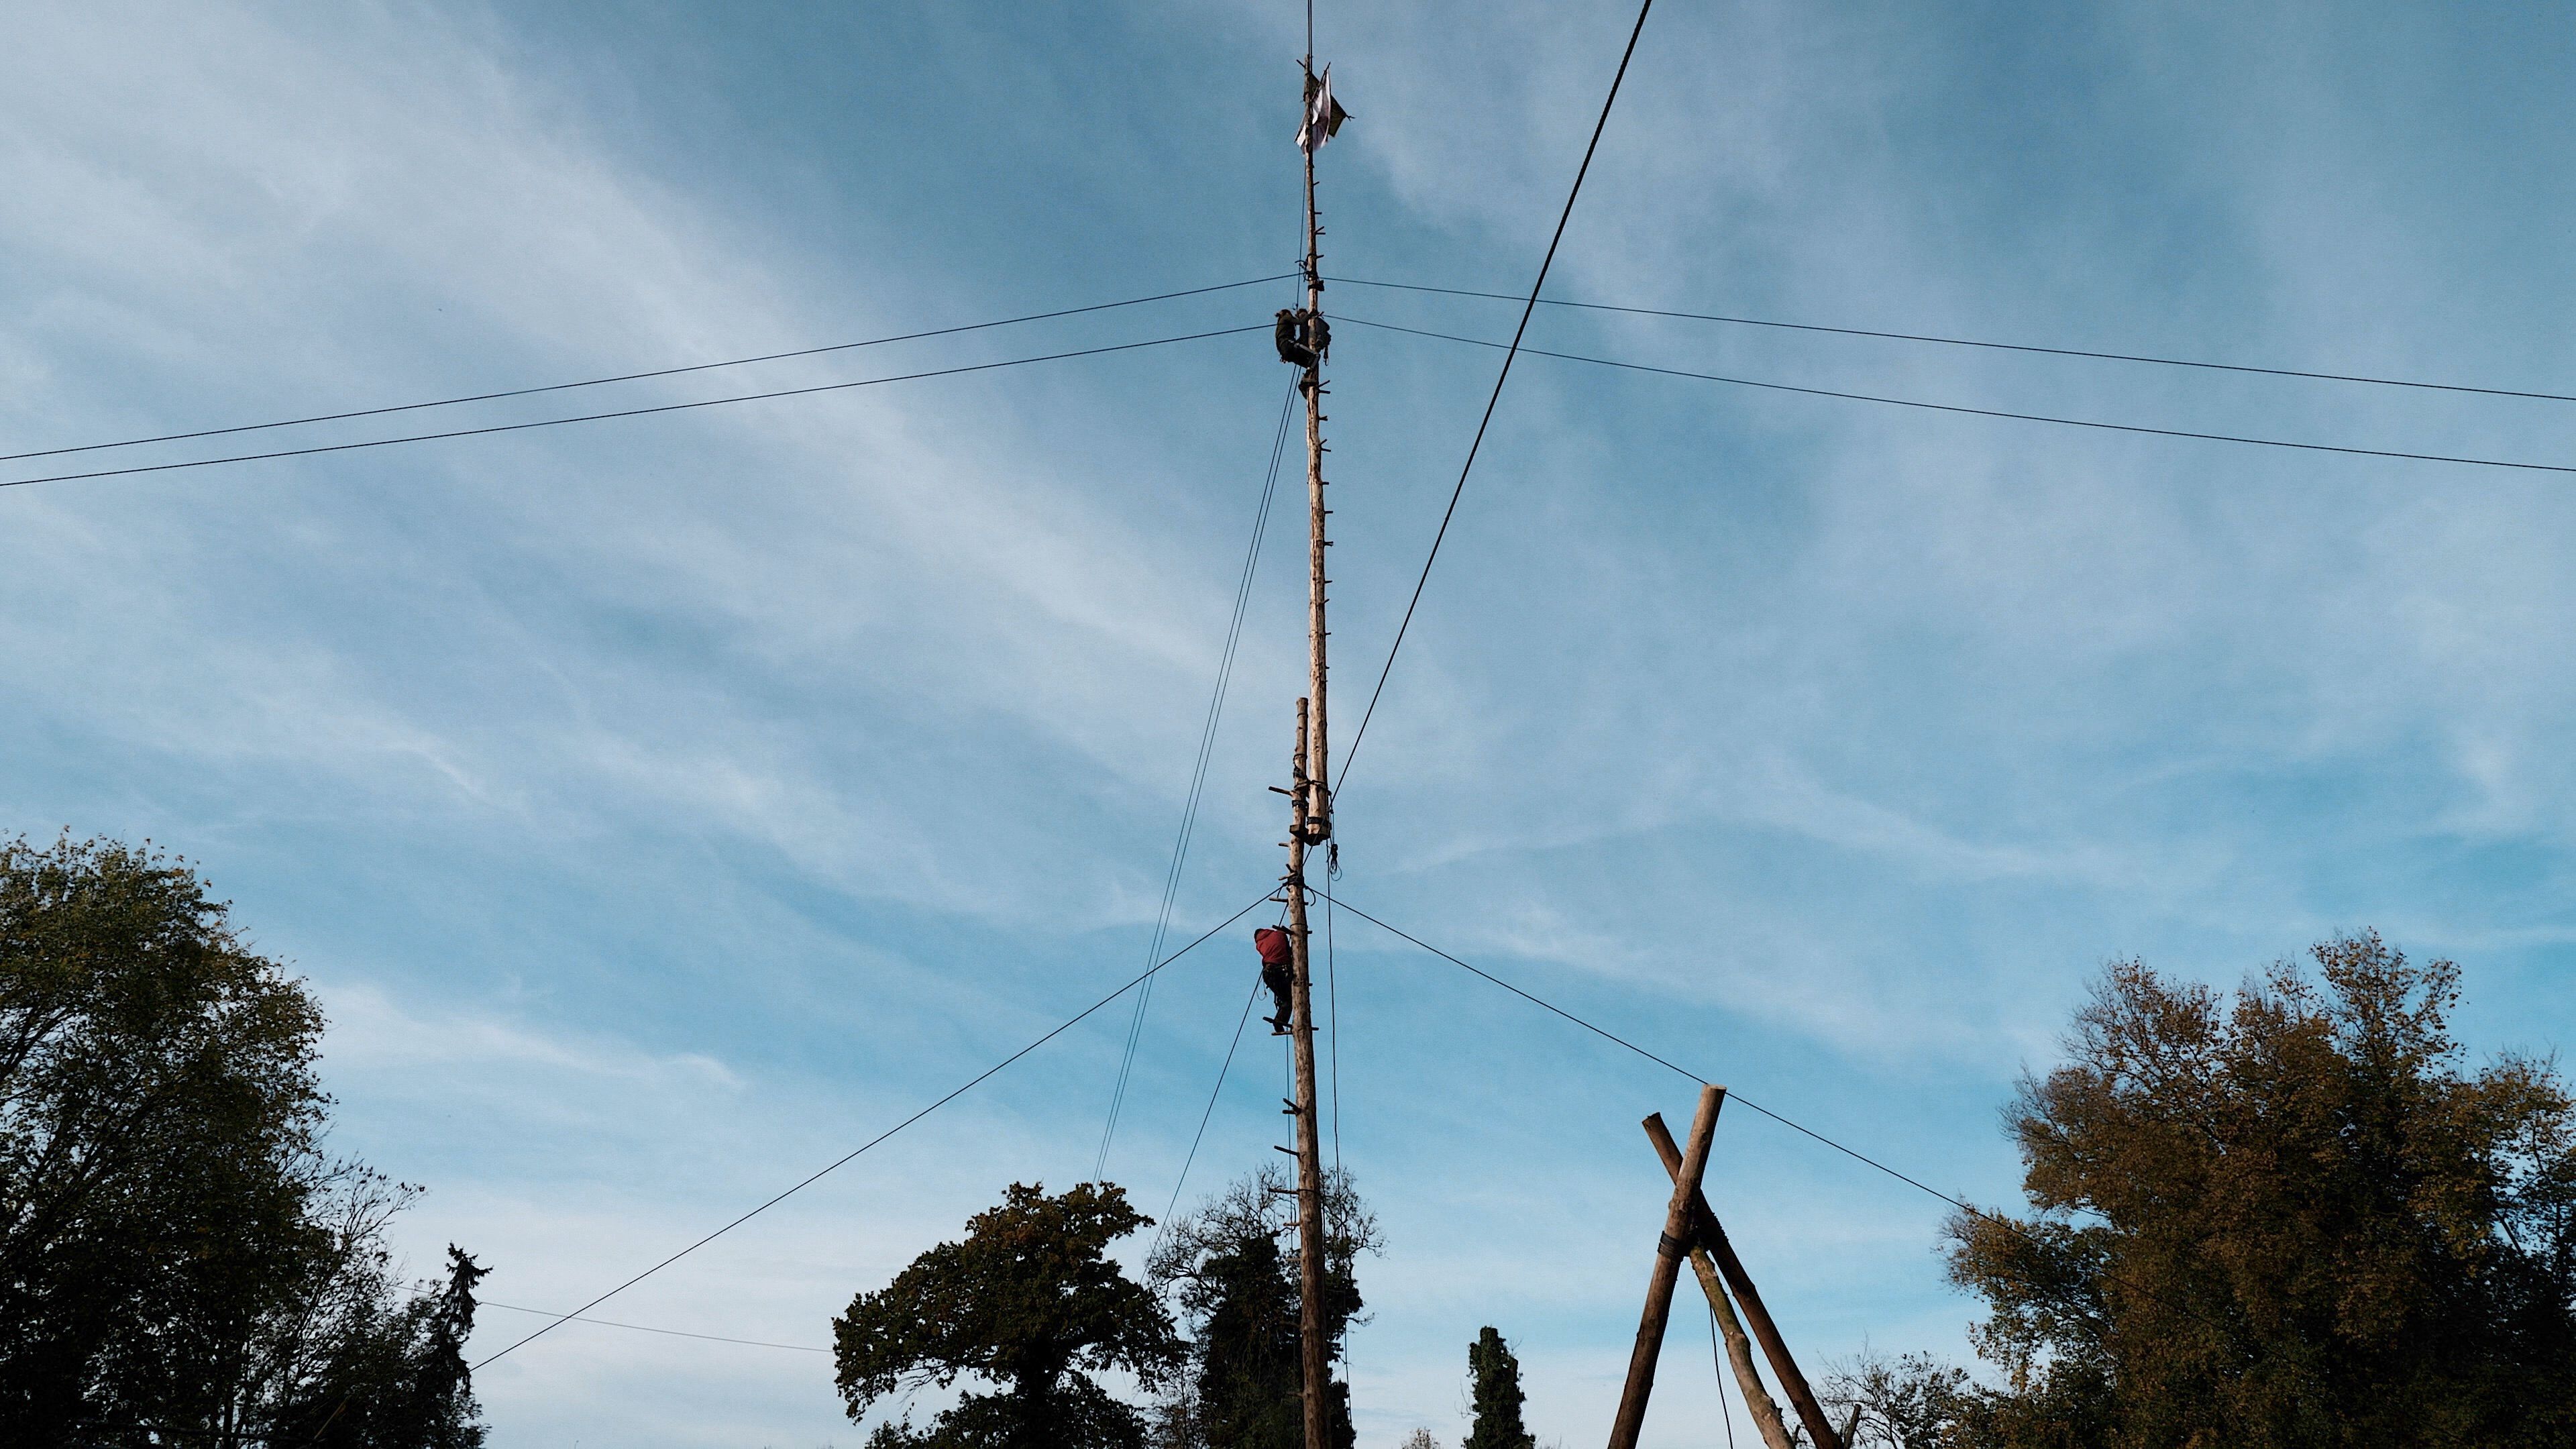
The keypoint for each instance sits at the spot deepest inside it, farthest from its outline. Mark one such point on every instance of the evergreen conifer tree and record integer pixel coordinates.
(1236, 1285)
(1495, 1379)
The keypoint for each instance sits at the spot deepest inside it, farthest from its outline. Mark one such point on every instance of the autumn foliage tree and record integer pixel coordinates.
(2288, 1217)
(1027, 1301)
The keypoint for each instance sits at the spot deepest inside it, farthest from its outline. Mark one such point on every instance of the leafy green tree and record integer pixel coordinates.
(1232, 1268)
(2293, 1218)
(178, 1259)
(1027, 1300)
(1494, 1387)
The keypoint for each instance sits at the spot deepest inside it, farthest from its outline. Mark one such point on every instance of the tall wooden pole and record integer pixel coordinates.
(1319, 809)
(1668, 1271)
(1315, 1361)
(1311, 824)
(1709, 1234)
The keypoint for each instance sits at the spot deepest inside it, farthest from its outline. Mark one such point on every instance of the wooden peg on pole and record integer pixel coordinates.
(1668, 1270)
(1706, 1231)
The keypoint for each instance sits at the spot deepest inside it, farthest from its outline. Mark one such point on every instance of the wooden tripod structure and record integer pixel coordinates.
(1691, 1230)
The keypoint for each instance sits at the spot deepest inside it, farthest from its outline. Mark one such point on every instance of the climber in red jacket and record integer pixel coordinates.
(1276, 958)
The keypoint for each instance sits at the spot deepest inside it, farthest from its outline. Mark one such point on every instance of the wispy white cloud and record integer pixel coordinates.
(1798, 728)
(370, 1033)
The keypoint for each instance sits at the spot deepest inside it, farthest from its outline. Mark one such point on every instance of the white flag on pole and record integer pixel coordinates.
(1324, 115)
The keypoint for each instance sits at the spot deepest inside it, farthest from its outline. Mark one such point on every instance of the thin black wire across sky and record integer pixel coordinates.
(1198, 777)
(1351, 752)
(447, 402)
(480, 1303)
(1998, 1219)
(1717, 1366)
(1991, 346)
(1974, 412)
(647, 1328)
(978, 1080)
(1223, 1068)
(1669, 1065)
(677, 407)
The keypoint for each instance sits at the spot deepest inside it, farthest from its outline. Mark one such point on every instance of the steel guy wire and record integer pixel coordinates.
(1717, 1365)
(644, 1328)
(626, 412)
(1213, 1092)
(482, 1303)
(2099, 356)
(1198, 776)
(1607, 1035)
(978, 1080)
(1351, 754)
(446, 402)
(1333, 1004)
(1998, 1219)
(2094, 423)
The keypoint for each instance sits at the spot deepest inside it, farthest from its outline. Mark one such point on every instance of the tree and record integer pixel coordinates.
(1494, 1386)
(1237, 1284)
(1027, 1300)
(1914, 1402)
(178, 1258)
(1421, 1439)
(2289, 1219)
(1251, 1373)
(395, 1373)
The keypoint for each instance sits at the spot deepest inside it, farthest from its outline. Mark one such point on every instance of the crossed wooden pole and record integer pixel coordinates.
(1691, 1231)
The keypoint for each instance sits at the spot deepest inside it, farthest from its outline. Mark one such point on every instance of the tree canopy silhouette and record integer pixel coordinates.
(1237, 1287)
(1027, 1300)
(2289, 1218)
(178, 1257)
(1494, 1394)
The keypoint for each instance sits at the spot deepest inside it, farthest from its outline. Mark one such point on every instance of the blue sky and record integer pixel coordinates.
(664, 807)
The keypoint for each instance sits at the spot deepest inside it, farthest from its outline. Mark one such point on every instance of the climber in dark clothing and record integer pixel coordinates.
(1276, 959)
(1290, 334)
